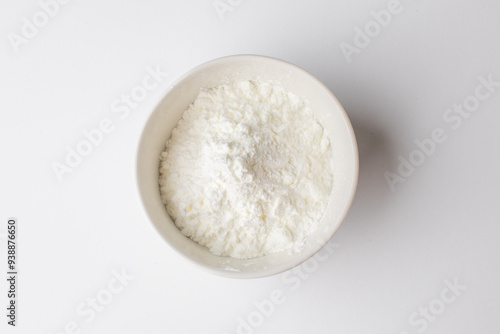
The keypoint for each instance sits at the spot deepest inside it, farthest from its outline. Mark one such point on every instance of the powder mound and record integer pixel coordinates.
(247, 171)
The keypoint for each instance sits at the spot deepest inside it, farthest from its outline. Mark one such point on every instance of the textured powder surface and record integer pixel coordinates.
(247, 171)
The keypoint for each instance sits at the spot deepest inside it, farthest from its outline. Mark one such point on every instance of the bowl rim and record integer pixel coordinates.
(349, 200)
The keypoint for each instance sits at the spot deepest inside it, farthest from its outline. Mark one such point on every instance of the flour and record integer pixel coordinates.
(247, 171)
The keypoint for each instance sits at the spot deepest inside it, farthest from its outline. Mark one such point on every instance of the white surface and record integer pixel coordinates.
(392, 254)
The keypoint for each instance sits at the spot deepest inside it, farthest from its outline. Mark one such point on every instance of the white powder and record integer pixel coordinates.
(247, 171)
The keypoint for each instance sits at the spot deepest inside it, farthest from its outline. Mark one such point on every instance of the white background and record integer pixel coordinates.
(396, 249)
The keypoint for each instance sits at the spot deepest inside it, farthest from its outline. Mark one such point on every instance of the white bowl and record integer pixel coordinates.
(243, 67)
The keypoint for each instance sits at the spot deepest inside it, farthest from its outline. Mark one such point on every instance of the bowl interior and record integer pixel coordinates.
(325, 107)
